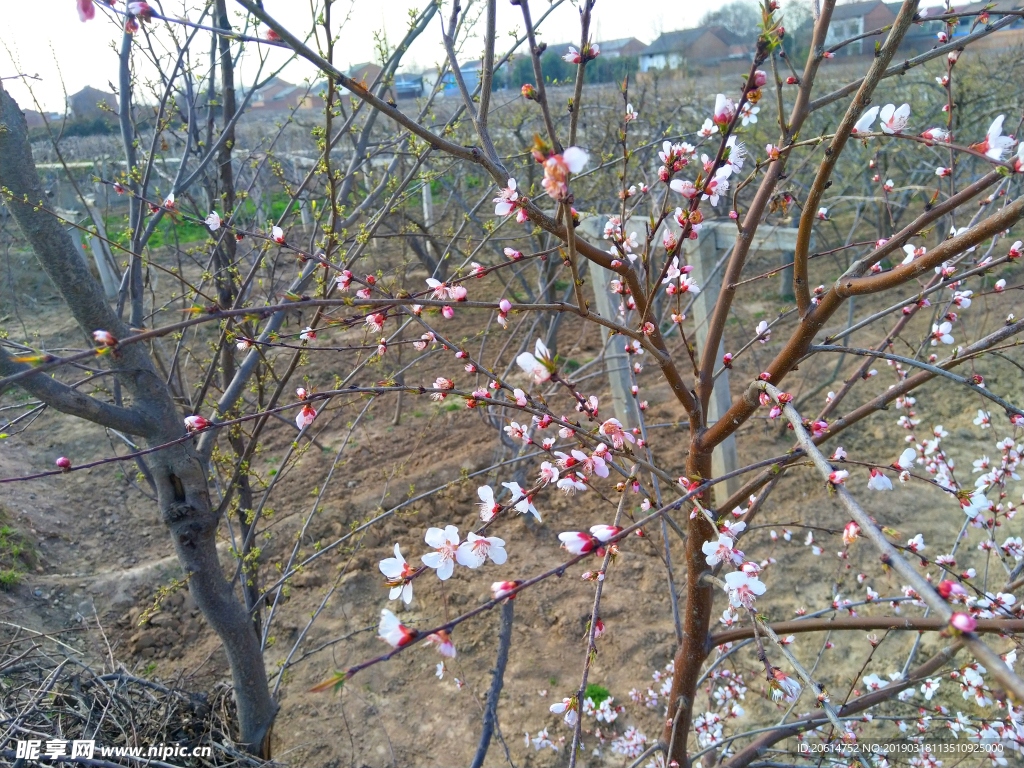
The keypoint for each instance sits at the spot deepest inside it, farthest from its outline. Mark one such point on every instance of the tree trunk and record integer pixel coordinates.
(179, 476)
(696, 618)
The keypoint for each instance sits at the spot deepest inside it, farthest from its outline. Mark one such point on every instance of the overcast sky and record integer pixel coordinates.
(67, 54)
(56, 46)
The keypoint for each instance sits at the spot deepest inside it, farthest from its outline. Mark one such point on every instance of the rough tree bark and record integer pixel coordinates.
(178, 472)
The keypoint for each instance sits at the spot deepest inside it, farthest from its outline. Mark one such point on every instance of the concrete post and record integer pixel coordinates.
(616, 361)
(703, 254)
(786, 287)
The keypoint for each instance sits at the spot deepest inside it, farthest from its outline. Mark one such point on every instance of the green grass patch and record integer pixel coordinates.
(596, 693)
(17, 555)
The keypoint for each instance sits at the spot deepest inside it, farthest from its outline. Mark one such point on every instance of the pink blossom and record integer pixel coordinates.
(604, 533)
(522, 502)
(445, 544)
(392, 631)
(557, 169)
(725, 110)
(440, 290)
(507, 198)
(441, 383)
(444, 643)
(104, 339)
(577, 542)
(719, 551)
(305, 416)
(715, 188)
(950, 589)
(936, 134)
(850, 533)
(894, 119)
(838, 477)
(397, 571)
(743, 589)
(878, 481)
(375, 321)
(141, 9)
(866, 121)
(500, 589)
(784, 686)
(539, 365)
(488, 507)
(612, 429)
(548, 473)
(995, 144)
(475, 550)
(86, 11)
(196, 423)
(963, 622)
(684, 188)
(568, 706)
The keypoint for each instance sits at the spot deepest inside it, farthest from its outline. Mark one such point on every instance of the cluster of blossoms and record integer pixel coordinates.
(508, 201)
(677, 278)
(717, 183)
(557, 169)
(893, 119)
(621, 246)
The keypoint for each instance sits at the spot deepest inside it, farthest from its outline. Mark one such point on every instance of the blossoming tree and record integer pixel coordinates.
(943, 235)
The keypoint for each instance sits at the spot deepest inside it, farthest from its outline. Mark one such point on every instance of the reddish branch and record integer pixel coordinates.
(910, 623)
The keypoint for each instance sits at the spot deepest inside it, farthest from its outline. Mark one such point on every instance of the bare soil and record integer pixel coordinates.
(103, 556)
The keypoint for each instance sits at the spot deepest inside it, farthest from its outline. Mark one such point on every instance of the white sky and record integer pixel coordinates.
(56, 46)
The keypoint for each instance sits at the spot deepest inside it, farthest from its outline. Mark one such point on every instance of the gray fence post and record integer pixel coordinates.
(703, 254)
(616, 361)
(786, 287)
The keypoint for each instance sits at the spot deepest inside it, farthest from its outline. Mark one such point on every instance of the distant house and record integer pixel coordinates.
(91, 103)
(1010, 36)
(365, 73)
(702, 45)
(278, 94)
(408, 86)
(624, 46)
(471, 73)
(855, 19)
(35, 119)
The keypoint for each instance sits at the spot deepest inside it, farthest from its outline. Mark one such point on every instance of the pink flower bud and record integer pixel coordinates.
(963, 622)
(448, 312)
(195, 423)
(505, 306)
(64, 463)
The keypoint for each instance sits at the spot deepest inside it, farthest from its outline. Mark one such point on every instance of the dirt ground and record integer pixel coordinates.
(103, 554)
